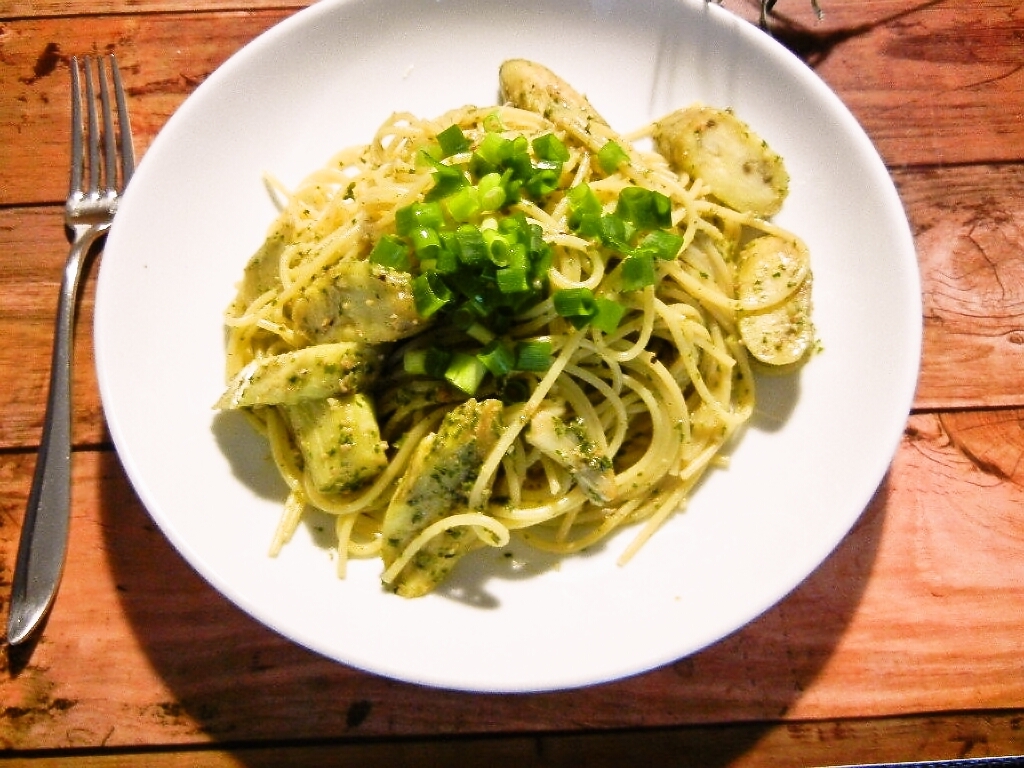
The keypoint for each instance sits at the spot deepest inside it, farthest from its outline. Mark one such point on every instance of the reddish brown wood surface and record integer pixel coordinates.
(907, 643)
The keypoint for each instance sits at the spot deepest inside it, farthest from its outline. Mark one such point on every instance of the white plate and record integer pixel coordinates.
(326, 78)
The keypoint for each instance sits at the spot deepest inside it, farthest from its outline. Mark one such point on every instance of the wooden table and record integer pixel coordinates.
(907, 643)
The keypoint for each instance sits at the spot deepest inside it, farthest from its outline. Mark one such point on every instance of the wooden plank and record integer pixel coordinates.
(30, 273)
(885, 70)
(798, 744)
(917, 73)
(38, 9)
(920, 609)
(159, 71)
(968, 226)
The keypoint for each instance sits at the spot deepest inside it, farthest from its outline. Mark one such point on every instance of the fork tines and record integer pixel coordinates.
(97, 175)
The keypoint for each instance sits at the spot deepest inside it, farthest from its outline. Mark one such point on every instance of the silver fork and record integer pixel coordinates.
(88, 214)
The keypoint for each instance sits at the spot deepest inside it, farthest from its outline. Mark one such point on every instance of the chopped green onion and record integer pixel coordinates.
(426, 242)
(615, 232)
(427, 214)
(480, 333)
(432, 362)
(391, 252)
(519, 156)
(446, 263)
(514, 390)
(611, 156)
(646, 208)
(608, 316)
(447, 179)
(493, 149)
(584, 210)
(499, 245)
(472, 248)
(430, 293)
(512, 280)
(464, 203)
(661, 244)
(533, 356)
(452, 141)
(491, 192)
(415, 361)
(550, 147)
(541, 266)
(575, 304)
(437, 362)
(465, 372)
(464, 316)
(583, 200)
(497, 357)
(637, 272)
(467, 319)
(519, 257)
(544, 180)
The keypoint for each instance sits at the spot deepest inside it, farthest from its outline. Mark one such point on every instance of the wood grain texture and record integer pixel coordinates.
(932, 82)
(921, 609)
(968, 226)
(158, 68)
(38, 9)
(30, 273)
(868, 740)
(908, 642)
(916, 73)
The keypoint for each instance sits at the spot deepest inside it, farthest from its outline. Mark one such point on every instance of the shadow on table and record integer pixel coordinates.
(814, 45)
(236, 682)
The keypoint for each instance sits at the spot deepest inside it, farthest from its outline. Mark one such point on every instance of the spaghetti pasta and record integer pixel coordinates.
(508, 320)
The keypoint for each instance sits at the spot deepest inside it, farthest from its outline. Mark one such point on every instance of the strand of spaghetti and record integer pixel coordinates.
(668, 394)
(723, 384)
(714, 263)
(635, 479)
(460, 520)
(518, 423)
(696, 466)
(280, 449)
(746, 398)
(607, 525)
(257, 305)
(674, 503)
(698, 288)
(688, 355)
(603, 351)
(557, 477)
(611, 403)
(513, 479)
(561, 210)
(343, 525)
(368, 527)
(240, 350)
(277, 329)
(696, 333)
(287, 524)
(277, 191)
(646, 327)
(559, 280)
(565, 525)
(531, 514)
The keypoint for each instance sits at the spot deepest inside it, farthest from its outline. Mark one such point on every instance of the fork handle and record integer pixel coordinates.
(44, 534)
